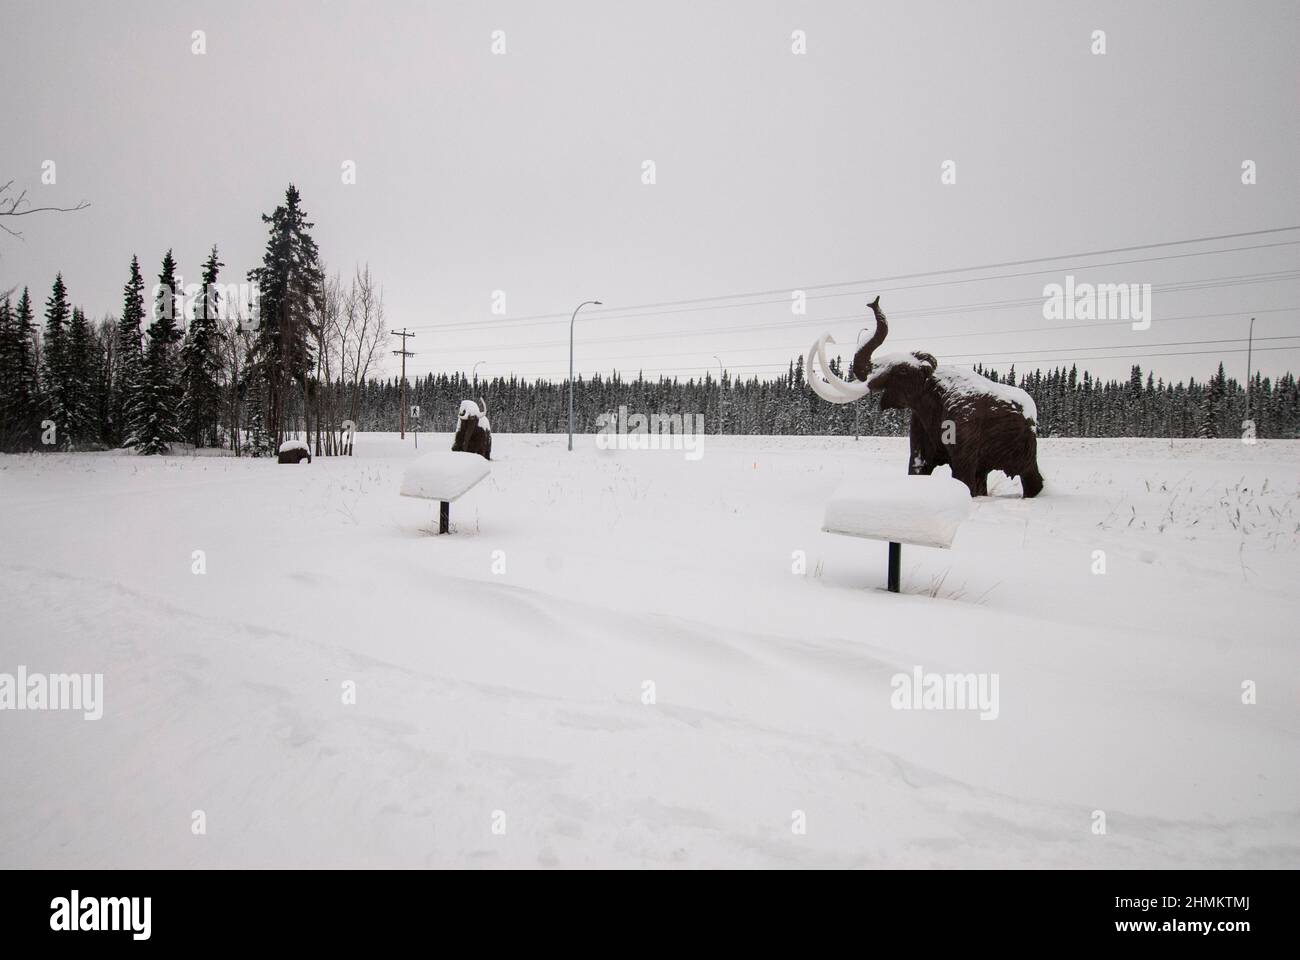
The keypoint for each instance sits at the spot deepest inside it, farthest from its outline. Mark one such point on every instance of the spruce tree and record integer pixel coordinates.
(25, 393)
(257, 442)
(154, 416)
(79, 382)
(289, 284)
(201, 363)
(128, 355)
(54, 360)
(9, 427)
(1212, 406)
(103, 349)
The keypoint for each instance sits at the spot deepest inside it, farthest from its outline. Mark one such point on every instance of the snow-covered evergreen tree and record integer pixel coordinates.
(80, 380)
(201, 363)
(258, 442)
(54, 360)
(1212, 406)
(290, 284)
(128, 355)
(154, 416)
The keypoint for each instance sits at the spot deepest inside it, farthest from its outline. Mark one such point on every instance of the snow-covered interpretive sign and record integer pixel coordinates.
(446, 475)
(921, 510)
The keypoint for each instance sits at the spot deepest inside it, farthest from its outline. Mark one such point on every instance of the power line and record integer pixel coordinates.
(465, 326)
(943, 336)
(1186, 286)
(613, 313)
(945, 357)
(1123, 356)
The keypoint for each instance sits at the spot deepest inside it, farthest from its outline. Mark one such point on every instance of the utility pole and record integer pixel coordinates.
(403, 353)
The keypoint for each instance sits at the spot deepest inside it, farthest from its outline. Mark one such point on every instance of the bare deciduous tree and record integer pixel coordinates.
(20, 206)
(362, 337)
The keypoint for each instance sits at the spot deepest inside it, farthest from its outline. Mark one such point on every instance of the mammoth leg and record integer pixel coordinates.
(967, 472)
(918, 465)
(922, 455)
(1031, 481)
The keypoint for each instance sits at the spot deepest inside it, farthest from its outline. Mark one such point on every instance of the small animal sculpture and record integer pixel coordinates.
(474, 434)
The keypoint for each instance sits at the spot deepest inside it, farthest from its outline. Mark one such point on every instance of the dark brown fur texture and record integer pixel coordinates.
(986, 431)
(294, 456)
(470, 435)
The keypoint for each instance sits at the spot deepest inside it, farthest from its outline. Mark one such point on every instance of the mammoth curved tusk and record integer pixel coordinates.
(830, 388)
(814, 379)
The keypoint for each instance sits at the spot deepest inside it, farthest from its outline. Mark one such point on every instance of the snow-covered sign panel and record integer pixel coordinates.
(912, 509)
(444, 475)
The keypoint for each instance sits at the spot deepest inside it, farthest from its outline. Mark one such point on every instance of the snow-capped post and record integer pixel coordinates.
(444, 475)
(415, 422)
(921, 510)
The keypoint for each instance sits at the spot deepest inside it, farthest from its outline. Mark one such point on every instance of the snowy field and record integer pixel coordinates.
(502, 673)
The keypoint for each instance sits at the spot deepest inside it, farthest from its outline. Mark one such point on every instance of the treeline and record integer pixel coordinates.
(239, 365)
(1070, 404)
(291, 352)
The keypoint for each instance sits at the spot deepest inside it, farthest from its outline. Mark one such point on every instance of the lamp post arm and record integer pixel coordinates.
(572, 320)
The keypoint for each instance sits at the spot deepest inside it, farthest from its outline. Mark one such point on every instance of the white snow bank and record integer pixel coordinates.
(911, 509)
(444, 475)
(959, 382)
(294, 445)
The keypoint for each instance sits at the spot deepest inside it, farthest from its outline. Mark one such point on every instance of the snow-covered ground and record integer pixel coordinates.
(501, 674)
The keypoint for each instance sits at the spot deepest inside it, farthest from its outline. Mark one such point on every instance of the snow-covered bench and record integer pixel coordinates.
(920, 510)
(446, 475)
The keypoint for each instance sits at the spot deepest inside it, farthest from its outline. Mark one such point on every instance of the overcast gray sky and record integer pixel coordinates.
(522, 172)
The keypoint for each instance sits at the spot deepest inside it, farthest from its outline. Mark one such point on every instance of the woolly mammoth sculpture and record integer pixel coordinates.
(958, 417)
(474, 435)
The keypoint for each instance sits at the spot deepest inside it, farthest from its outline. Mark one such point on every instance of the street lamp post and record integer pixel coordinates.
(474, 374)
(571, 322)
(857, 408)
